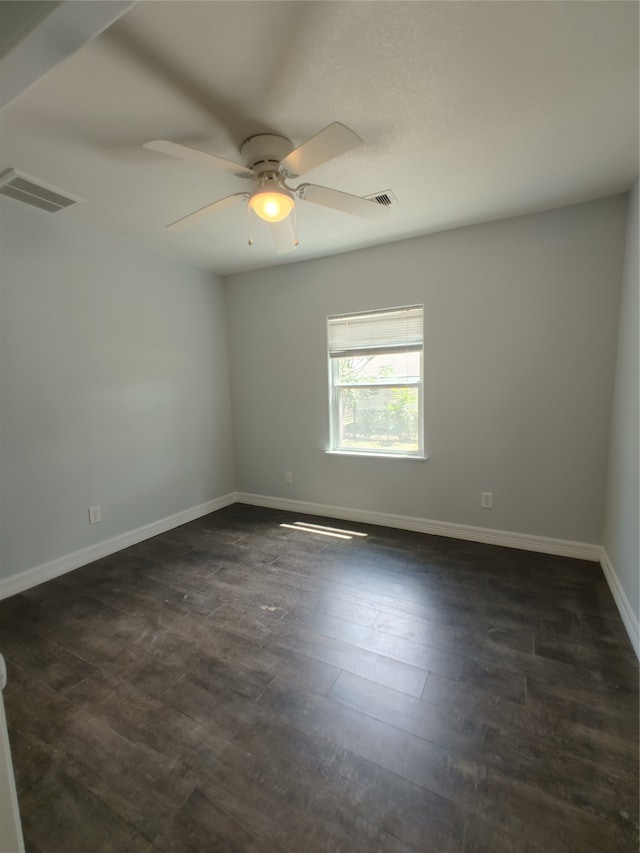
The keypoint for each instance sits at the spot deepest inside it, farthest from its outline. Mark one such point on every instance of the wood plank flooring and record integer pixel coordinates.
(235, 685)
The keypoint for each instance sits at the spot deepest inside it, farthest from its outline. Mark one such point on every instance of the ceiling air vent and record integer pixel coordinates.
(386, 198)
(23, 188)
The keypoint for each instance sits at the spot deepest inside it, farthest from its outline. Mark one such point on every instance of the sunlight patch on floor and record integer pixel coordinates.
(335, 532)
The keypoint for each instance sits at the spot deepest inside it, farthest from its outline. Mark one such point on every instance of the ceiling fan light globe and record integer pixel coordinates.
(272, 205)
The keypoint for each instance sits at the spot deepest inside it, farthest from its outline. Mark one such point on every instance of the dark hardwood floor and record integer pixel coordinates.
(235, 685)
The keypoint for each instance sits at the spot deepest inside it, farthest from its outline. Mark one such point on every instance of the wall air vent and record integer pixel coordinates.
(386, 197)
(26, 189)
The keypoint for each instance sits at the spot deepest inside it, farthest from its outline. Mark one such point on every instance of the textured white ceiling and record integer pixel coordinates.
(469, 111)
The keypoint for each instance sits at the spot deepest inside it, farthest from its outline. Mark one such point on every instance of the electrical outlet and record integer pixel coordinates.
(486, 500)
(95, 514)
(288, 478)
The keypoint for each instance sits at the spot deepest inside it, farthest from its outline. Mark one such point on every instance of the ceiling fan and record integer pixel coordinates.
(269, 161)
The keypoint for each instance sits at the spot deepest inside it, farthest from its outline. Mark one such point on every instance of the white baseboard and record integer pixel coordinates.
(523, 541)
(579, 550)
(47, 571)
(629, 619)
(542, 544)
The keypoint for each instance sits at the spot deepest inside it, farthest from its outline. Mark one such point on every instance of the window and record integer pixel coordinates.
(375, 377)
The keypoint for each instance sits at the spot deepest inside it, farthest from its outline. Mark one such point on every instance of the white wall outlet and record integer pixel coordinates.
(95, 514)
(288, 478)
(486, 500)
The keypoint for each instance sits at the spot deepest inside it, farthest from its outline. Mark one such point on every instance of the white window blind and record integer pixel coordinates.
(396, 329)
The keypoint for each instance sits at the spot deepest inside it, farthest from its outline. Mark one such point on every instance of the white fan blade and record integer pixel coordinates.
(334, 140)
(284, 236)
(195, 156)
(346, 202)
(205, 211)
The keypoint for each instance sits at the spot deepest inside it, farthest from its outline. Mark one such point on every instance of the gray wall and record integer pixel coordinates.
(520, 341)
(114, 383)
(620, 538)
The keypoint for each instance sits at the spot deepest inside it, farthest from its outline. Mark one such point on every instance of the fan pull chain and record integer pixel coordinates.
(249, 223)
(295, 227)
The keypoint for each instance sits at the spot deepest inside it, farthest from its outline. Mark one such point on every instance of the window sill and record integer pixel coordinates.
(403, 456)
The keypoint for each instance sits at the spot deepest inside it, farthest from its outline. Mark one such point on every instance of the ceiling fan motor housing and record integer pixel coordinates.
(263, 153)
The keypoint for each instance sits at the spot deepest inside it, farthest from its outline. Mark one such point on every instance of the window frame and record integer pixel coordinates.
(335, 385)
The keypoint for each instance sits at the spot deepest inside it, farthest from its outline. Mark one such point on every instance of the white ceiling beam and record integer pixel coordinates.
(53, 38)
